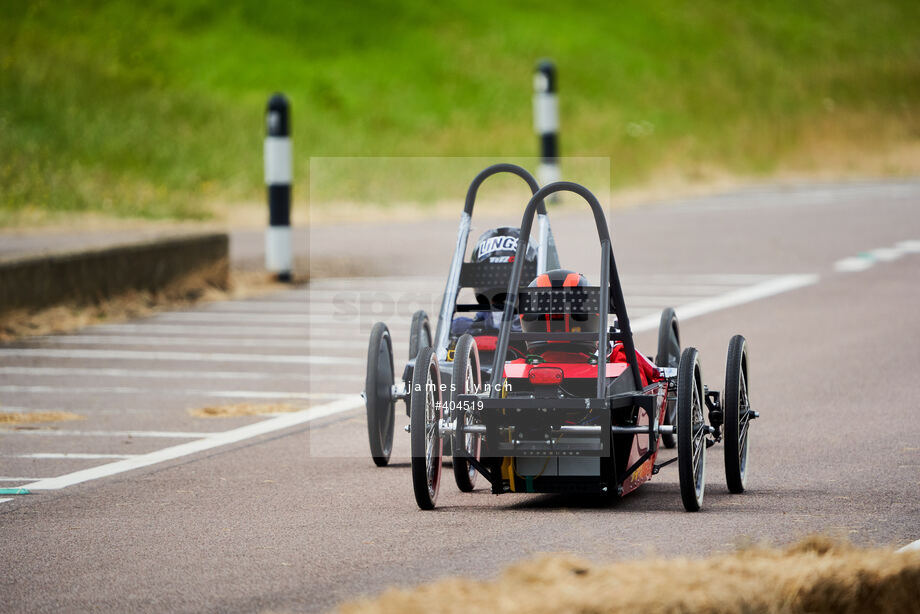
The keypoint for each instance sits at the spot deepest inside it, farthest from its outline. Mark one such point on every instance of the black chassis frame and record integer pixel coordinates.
(466, 274)
(491, 407)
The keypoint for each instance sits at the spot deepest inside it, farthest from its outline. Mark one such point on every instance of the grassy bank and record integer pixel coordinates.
(155, 109)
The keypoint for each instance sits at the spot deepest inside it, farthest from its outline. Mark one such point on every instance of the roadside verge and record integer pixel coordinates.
(185, 264)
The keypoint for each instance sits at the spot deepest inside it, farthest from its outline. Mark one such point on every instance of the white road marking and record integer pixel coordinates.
(147, 373)
(886, 254)
(852, 265)
(212, 441)
(323, 320)
(310, 376)
(70, 455)
(5, 500)
(223, 394)
(909, 247)
(259, 306)
(176, 356)
(138, 434)
(910, 547)
(869, 258)
(198, 341)
(212, 317)
(195, 331)
(730, 299)
(204, 330)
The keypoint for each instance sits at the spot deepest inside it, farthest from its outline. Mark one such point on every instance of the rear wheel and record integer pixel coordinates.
(691, 431)
(466, 380)
(668, 356)
(419, 333)
(737, 408)
(425, 429)
(378, 399)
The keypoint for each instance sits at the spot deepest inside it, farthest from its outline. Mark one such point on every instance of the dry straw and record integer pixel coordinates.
(816, 575)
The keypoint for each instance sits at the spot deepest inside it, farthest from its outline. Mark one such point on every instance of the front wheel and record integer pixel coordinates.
(378, 395)
(737, 409)
(424, 428)
(466, 380)
(691, 431)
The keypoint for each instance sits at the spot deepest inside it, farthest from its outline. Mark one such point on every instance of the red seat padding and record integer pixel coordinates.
(486, 343)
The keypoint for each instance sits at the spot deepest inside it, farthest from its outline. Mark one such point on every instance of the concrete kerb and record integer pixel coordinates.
(38, 281)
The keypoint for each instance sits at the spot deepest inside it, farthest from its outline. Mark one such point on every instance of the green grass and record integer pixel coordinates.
(155, 109)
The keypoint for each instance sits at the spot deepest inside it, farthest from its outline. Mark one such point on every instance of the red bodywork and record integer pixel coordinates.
(574, 365)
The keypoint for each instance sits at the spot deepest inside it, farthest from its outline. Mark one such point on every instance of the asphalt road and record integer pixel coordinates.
(141, 506)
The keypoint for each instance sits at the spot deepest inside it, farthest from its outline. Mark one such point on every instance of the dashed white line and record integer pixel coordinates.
(869, 258)
(259, 306)
(310, 376)
(8, 479)
(852, 265)
(132, 434)
(223, 394)
(301, 344)
(150, 373)
(192, 447)
(204, 329)
(177, 356)
(909, 247)
(216, 316)
(886, 254)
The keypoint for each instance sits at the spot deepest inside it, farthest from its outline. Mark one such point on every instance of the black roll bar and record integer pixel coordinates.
(504, 167)
(608, 272)
(451, 288)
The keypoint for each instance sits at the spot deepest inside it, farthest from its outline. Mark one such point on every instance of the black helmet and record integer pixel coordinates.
(498, 245)
(560, 322)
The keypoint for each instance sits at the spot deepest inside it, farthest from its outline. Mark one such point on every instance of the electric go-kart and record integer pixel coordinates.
(488, 275)
(582, 411)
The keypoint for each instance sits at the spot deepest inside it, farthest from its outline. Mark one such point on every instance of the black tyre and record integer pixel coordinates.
(736, 407)
(378, 400)
(425, 429)
(419, 333)
(668, 356)
(691, 431)
(466, 380)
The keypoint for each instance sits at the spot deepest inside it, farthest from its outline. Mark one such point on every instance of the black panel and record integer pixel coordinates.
(493, 274)
(579, 300)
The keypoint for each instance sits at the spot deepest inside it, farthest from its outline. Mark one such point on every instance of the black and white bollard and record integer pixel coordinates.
(546, 121)
(278, 176)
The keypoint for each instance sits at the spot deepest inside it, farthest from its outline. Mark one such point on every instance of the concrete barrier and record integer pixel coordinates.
(89, 276)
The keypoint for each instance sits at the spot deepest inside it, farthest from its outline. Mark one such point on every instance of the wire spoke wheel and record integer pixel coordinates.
(425, 421)
(378, 397)
(691, 431)
(737, 408)
(467, 380)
